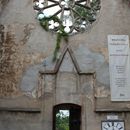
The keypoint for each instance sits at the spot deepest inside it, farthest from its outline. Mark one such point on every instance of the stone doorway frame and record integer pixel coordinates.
(49, 94)
(71, 107)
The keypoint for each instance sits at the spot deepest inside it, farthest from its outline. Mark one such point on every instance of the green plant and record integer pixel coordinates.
(88, 13)
(62, 121)
(95, 5)
(44, 22)
(85, 13)
(61, 34)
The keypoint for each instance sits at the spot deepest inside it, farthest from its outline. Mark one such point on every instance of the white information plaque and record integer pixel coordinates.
(119, 67)
(112, 117)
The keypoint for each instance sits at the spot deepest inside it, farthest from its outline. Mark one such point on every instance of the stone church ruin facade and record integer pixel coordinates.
(33, 88)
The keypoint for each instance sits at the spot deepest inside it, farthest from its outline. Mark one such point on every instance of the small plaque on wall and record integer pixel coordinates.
(112, 117)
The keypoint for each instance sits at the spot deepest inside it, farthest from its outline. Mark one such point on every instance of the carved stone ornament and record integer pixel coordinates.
(71, 16)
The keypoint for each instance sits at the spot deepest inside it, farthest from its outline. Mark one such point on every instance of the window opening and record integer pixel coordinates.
(72, 16)
(62, 120)
(66, 117)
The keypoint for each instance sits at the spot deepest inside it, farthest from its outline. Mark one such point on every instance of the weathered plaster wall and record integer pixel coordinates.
(20, 121)
(2, 4)
(31, 44)
(24, 45)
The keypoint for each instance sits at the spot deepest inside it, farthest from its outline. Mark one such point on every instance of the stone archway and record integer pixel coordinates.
(74, 115)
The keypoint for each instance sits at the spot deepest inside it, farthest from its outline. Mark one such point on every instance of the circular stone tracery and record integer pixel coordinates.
(71, 16)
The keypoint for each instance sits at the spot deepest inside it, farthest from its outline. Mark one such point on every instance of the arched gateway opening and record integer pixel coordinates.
(66, 116)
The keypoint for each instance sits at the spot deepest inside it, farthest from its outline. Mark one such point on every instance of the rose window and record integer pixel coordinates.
(70, 16)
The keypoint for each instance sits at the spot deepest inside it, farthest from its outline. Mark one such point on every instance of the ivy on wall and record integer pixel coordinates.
(66, 17)
(61, 34)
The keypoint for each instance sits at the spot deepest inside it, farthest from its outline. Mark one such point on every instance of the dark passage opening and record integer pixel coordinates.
(66, 117)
